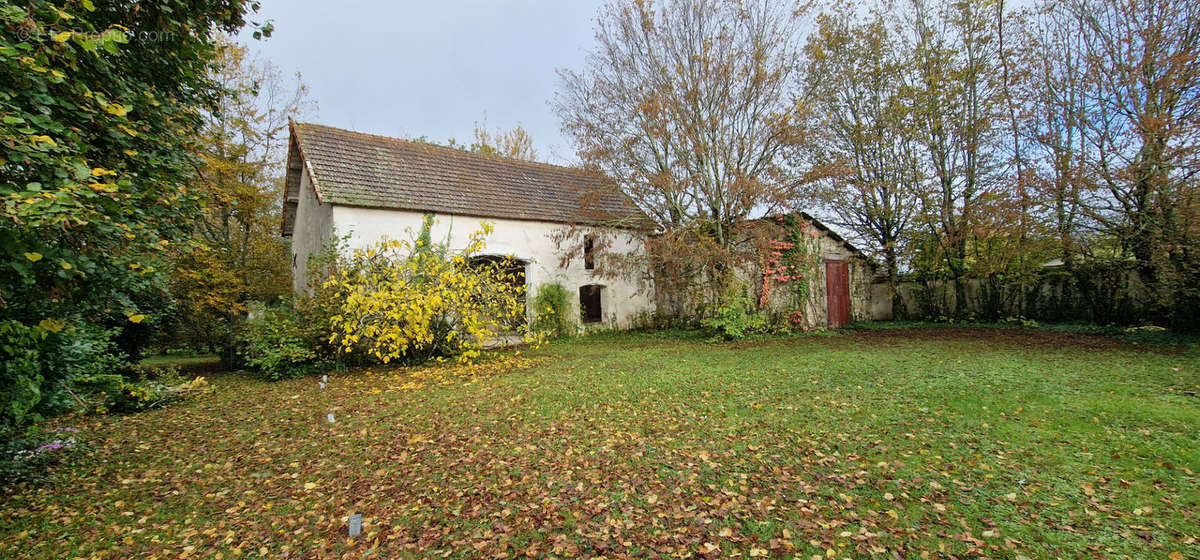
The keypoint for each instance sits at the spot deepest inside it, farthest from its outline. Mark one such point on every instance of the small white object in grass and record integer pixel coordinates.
(355, 524)
(330, 418)
(324, 379)
(322, 384)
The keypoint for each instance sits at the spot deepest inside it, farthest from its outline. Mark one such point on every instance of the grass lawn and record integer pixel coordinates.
(203, 361)
(887, 443)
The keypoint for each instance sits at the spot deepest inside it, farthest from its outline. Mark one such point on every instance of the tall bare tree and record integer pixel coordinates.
(1045, 95)
(954, 87)
(860, 150)
(686, 104)
(1141, 131)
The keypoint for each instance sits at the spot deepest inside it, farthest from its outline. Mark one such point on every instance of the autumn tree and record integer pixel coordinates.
(236, 255)
(1141, 127)
(686, 105)
(1107, 100)
(1065, 130)
(955, 94)
(1046, 97)
(514, 143)
(860, 154)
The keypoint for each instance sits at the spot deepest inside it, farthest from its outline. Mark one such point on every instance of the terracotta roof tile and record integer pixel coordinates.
(359, 169)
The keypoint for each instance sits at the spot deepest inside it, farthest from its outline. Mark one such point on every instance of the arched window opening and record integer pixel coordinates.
(514, 269)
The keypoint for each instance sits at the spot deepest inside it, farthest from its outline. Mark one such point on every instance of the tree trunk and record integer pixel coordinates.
(893, 281)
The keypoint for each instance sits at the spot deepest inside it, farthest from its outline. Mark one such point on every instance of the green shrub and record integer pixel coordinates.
(106, 392)
(21, 377)
(735, 319)
(552, 311)
(38, 363)
(278, 345)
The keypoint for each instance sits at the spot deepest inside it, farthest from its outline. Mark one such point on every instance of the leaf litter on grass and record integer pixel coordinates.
(812, 448)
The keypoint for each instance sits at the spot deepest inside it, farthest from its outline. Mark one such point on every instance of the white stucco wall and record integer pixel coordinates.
(622, 300)
(313, 227)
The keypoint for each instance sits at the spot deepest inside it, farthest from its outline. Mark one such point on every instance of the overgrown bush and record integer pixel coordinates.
(37, 363)
(279, 344)
(105, 392)
(52, 368)
(735, 318)
(21, 379)
(552, 311)
(410, 301)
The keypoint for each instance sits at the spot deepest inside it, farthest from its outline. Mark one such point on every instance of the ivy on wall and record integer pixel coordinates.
(791, 262)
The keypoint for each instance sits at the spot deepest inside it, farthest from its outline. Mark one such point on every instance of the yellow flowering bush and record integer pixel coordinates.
(410, 301)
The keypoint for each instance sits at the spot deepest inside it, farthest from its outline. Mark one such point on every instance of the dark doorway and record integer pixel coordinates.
(589, 303)
(837, 292)
(515, 270)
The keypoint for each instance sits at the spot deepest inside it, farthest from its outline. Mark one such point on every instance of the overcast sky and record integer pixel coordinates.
(432, 68)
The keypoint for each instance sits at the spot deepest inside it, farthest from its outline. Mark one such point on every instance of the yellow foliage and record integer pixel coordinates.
(116, 109)
(412, 300)
(42, 140)
(52, 325)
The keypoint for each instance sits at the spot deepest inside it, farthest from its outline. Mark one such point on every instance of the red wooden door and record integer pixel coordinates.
(837, 292)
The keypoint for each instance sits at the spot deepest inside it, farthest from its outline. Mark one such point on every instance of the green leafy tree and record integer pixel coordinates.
(96, 110)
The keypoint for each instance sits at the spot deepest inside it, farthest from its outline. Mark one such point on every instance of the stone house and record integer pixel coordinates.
(365, 187)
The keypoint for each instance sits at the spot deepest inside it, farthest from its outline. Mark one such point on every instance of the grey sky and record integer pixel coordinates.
(432, 68)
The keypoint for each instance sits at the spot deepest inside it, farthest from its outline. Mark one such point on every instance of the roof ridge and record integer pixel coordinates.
(457, 152)
(372, 170)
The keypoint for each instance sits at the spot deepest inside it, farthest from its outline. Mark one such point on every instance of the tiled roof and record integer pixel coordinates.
(358, 169)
